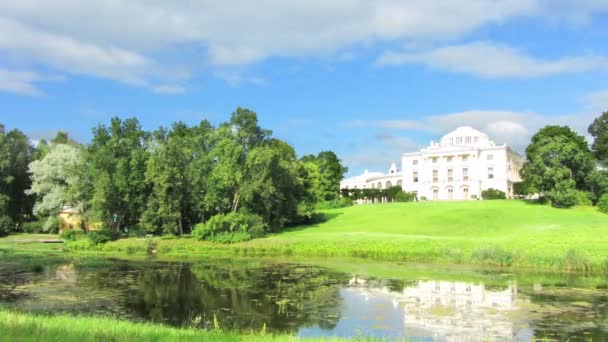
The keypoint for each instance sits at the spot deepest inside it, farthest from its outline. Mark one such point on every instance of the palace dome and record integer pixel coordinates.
(467, 136)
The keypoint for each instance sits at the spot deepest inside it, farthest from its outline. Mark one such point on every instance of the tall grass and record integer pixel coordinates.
(28, 327)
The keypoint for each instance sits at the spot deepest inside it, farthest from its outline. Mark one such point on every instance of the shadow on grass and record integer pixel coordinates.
(326, 217)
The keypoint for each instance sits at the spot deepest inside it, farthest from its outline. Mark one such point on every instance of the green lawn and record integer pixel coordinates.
(27, 327)
(495, 232)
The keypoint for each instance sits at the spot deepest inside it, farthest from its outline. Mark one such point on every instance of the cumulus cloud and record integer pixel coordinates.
(504, 127)
(23, 82)
(131, 41)
(492, 60)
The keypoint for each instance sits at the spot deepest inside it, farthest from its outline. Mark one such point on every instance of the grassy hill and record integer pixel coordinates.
(493, 232)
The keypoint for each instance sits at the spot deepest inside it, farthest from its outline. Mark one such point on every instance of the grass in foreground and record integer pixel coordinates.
(28, 327)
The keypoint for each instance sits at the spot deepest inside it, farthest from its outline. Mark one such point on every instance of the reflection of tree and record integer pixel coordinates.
(282, 297)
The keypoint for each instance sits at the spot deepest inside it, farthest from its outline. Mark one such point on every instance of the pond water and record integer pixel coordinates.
(311, 300)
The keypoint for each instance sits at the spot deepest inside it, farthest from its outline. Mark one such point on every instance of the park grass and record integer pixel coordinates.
(516, 234)
(504, 233)
(16, 326)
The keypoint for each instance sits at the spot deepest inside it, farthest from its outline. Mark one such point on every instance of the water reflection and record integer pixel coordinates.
(309, 301)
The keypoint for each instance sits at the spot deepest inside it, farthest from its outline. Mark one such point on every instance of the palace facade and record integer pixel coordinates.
(460, 166)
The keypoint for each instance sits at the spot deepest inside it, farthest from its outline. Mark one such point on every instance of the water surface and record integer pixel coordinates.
(310, 300)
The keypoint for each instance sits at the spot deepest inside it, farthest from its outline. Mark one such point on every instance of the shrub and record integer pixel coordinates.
(53, 224)
(342, 202)
(493, 194)
(494, 255)
(403, 196)
(602, 204)
(101, 236)
(474, 197)
(583, 198)
(34, 227)
(69, 235)
(5, 225)
(575, 261)
(563, 195)
(241, 225)
(423, 198)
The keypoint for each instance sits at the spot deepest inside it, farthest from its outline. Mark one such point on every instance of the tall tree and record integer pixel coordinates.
(15, 155)
(558, 160)
(599, 131)
(53, 180)
(177, 171)
(326, 174)
(116, 162)
(272, 187)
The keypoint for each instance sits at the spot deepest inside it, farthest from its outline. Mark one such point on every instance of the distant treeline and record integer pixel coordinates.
(166, 181)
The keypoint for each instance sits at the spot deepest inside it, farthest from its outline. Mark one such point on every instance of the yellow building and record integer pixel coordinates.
(73, 221)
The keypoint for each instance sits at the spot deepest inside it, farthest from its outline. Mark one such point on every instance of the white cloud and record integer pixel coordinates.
(235, 78)
(596, 101)
(491, 60)
(134, 41)
(168, 89)
(23, 82)
(504, 127)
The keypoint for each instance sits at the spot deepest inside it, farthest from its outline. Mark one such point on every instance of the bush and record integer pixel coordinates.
(69, 235)
(5, 225)
(101, 236)
(423, 198)
(34, 227)
(342, 202)
(493, 194)
(563, 195)
(242, 227)
(53, 224)
(583, 198)
(602, 204)
(403, 196)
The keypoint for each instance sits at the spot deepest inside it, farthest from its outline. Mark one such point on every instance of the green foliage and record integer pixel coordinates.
(15, 154)
(69, 235)
(34, 227)
(102, 236)
(564, 195)
(583, 197)
(341, 202)
(602, 204)
(493, 194)
(558, 160)
(494, 255)
(403, 196)
(243, 226)
(324, 173)
(53, 224)
(599, 131)
(575, 261)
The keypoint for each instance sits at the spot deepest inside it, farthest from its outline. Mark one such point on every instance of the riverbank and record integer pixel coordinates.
(500, 233)
(515, 234)
(28, 327)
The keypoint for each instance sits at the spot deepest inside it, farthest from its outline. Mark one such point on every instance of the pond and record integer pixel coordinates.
(317, 299)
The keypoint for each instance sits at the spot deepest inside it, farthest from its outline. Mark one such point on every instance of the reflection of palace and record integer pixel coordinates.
(452, 310)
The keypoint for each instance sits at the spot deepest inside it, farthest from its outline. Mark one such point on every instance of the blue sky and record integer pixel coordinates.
(366, 79)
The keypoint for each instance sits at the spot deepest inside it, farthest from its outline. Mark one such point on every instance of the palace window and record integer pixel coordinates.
(450, 175)
(451, 141)
(449, 159)
(459, 140)
(465, 157)
(435, 176)
(468, 140)
(490, 157)
(415, 162)
(435, 194)
(465, 193)
(490, 173)
(450, 193)
(465, 174)
(415, 176)
(435, 160)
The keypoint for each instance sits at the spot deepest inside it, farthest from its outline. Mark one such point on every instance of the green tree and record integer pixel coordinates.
(15, 155)
(558, 161)
(599, 131)
(116, 164)
(325, 171)
(177, 171)
(272, 187)
(52, 178)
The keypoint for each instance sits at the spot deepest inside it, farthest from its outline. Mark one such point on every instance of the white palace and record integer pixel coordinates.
(463, 164)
